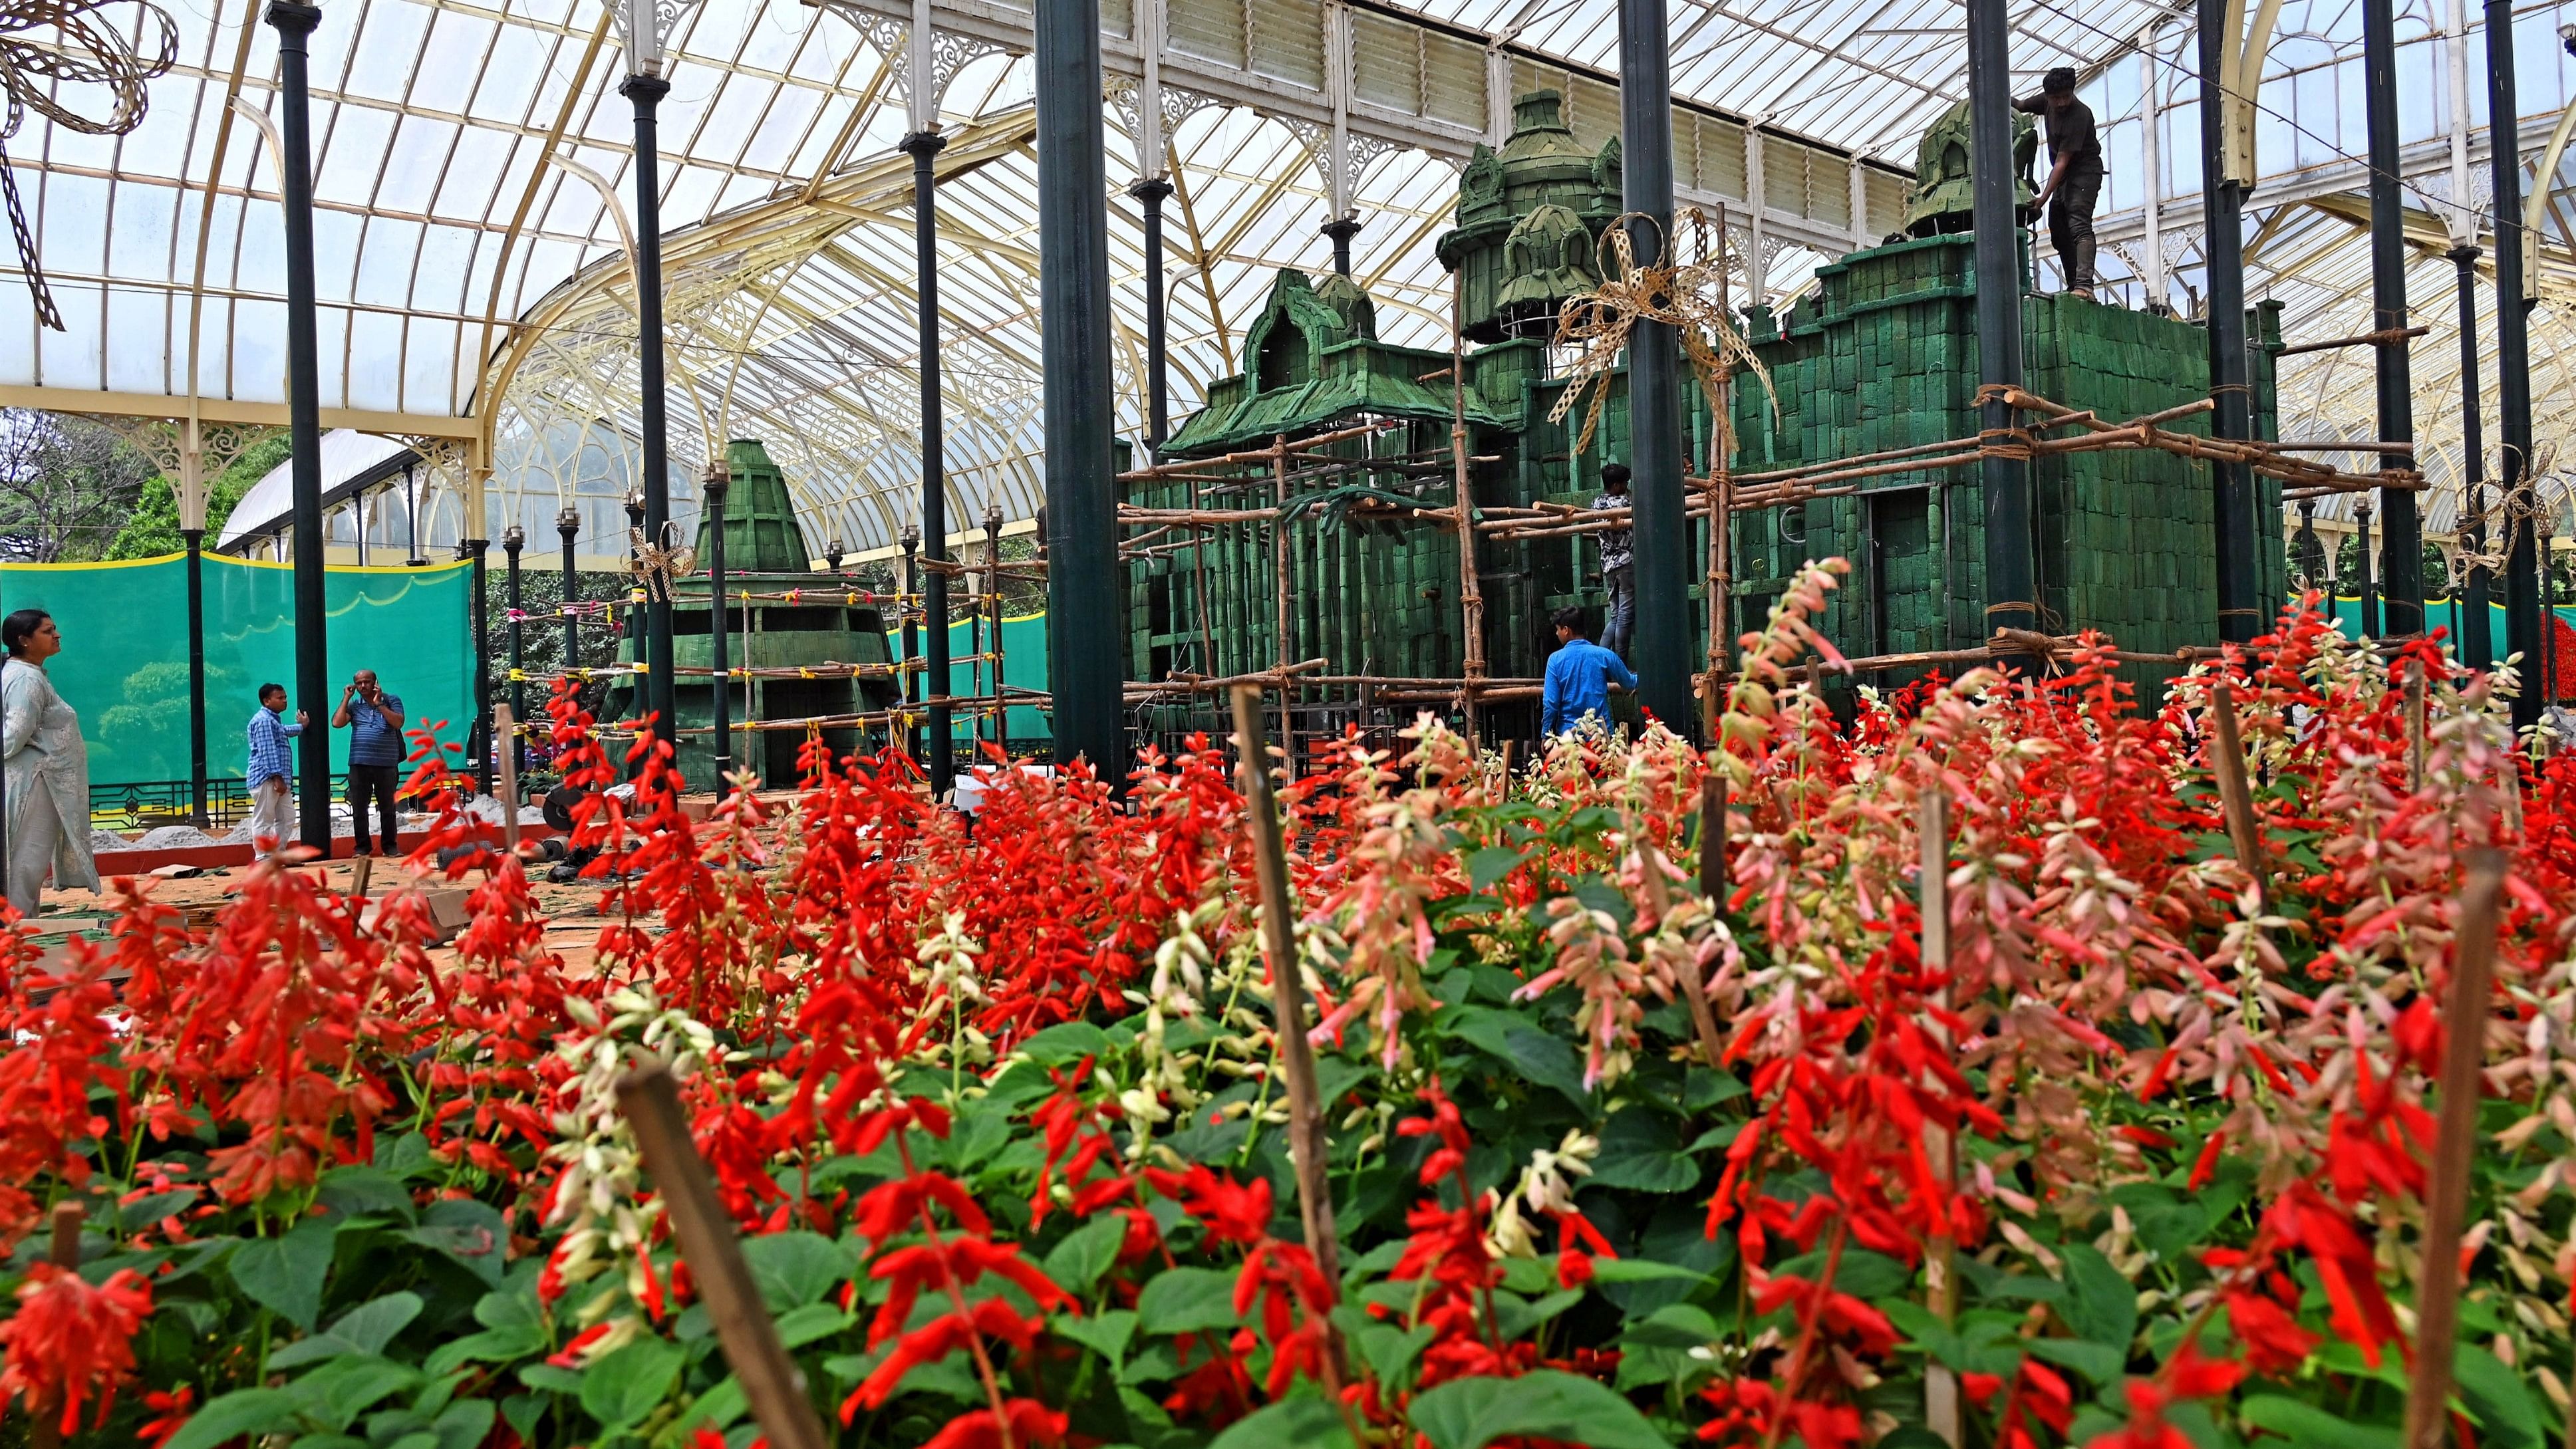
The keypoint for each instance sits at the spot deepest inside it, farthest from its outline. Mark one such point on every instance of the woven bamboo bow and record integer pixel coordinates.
(655, 567)
(1677, 296)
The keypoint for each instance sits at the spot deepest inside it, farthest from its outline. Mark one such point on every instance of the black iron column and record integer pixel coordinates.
(513, 539)
(911, 536)
(411, 522)
(1081, 487)
(993, 598)
(646, 91)
(2477, 635)
(568, 527)
(2240, 607)
(196, 538)
(478, 550)
(2523, 627)
(1152, 191)
(717, 488)
(2400, 526)
(2011, 575)
(294, 23)
(1660, 650)
(2369, 578)
(1342, 228)
(922, 146)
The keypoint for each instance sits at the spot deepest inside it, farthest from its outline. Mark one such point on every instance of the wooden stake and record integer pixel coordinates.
(2226, 748)
(1306, 1141)
(770, 1380)
(507, 729)
(2466, 1011)
(1932, 889)
(64, 1253)
(1712, 880)
(2414, 724)
(364, 873)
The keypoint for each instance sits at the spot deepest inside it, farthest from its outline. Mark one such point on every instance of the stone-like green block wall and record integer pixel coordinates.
(1884, 356)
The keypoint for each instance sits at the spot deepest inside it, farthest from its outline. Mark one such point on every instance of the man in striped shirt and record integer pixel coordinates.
(272, 771)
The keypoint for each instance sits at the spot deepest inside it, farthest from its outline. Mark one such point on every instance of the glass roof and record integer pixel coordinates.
(472, 269)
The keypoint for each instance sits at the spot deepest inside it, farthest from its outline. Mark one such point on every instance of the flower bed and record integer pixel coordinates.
(2138, 1160)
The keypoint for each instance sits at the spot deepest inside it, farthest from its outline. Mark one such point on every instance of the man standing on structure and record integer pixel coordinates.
(1618, 564)
(374, 720)
(2074, 176)
(1579, 676)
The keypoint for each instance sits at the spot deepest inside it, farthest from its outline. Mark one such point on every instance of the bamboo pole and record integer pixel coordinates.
(1471, 588)
(64, 1253)
(2415, 724)
(2226, 749)
(1307, 1145)
(1279, 565)
(770, 1380)
(1932, 889)
(2465, 1014)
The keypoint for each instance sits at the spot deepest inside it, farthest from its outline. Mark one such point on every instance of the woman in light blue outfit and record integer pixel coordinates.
(48, 767)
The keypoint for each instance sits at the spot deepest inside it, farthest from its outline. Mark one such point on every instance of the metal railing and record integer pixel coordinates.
(143, 804)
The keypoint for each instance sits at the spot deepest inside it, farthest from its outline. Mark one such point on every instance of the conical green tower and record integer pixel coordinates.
(761, 532)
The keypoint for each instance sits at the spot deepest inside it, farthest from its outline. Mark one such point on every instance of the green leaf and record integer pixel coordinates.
(464, 1424)
(1702, 1089)
(1675, 1325)
(285, 1274)
(1516, 1318)
(794, 1269)
(2498, 1398)
(2102, 1304)
(802, 1325)
(252, 1412)
(1068, 1041)
(1086, 1252)
(340, 1391)
(632, 1382)
(1534, 1054)
(373, 1324)
(1387, 1347)
(2104, 1365)
(359, 1191)
(468, 1231)
(1187, 1300)
(1642, 1270)
(1545, 1404)
(718, 1406)
(1487, 867)
(133, 1216)
(1302, 1422)
(1105, 1334)
(497, 1345)
(2310, 1427)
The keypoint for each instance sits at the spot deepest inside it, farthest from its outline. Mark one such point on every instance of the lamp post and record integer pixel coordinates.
(2524, 614)
(2240, 610)
(295, 23)
(716, 485)
(513, 539)
(1660, 572)
(644, 27)
(196, 538)
(568, 528)
(2402, 571)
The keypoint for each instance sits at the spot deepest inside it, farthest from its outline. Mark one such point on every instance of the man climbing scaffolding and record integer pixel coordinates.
(2074, 182)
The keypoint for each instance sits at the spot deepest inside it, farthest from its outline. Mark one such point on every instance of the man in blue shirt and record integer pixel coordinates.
(374, 720)
(1579, 676)
(272, 771)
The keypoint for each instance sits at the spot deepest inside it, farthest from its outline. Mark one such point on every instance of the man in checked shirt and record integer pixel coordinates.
(272, 771)
(1618, 569)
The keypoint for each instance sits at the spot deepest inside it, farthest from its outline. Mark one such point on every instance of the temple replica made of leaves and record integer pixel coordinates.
(795, 638)
(1350, 438)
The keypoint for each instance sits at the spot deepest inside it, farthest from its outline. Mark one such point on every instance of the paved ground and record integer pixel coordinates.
(571, 911)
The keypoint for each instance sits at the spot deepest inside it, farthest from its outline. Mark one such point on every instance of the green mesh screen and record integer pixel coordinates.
(124, 664)
(1024, 666)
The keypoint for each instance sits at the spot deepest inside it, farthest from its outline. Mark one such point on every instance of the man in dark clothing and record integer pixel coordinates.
(1618, 563)
(2074, 176)
(374, 720)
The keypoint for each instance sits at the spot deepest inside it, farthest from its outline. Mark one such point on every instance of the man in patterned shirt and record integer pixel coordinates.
(1618, 571)
(272, 771)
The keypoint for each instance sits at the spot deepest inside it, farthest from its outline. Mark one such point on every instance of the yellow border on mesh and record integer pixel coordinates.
(247, 563)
